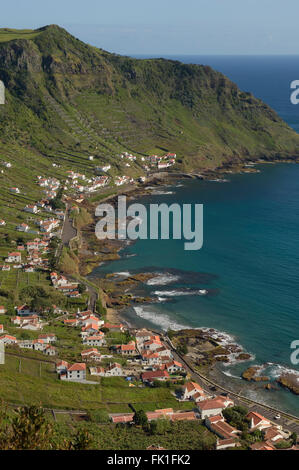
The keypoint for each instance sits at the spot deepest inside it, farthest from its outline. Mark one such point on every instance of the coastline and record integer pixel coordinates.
(119, 315)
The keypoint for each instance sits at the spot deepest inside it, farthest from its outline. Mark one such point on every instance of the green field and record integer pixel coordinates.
(27, 381)
(7, 34)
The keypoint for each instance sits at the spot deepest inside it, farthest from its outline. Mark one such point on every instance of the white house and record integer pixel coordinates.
(174, 366)
(258, 421)
(22, 228)
(95, 340)
(8, 339)
(213, 406)
(74, 372)
(23, 310)
(91, 354)
(48, 338)
(114, 370)
(15, 190)
(193, 391)
(49, 350)
(14, 257)
(61, 366)
(31, 208)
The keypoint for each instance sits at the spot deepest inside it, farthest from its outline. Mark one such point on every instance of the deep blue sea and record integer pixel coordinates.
(249, 262)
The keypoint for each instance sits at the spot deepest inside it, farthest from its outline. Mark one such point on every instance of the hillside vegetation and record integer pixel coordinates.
(66, 99)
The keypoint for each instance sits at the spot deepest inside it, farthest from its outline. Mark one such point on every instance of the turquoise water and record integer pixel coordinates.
(250, 254)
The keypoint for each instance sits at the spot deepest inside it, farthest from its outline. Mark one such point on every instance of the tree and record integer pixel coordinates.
(140, 418)
(182, 348)
(81, 440)
(160, 426)
(293, 438)
(30, 429)
(236, 417)
(81, 288)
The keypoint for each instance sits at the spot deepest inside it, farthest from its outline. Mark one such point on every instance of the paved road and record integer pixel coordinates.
(68, 231)
(67, 234)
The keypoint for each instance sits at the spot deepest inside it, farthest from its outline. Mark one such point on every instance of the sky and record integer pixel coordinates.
(167, 27)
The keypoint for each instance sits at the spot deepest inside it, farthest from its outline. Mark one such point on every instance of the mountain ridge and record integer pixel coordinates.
(118, 103)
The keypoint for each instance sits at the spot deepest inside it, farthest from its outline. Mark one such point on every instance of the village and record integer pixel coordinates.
(145, 360)
(99, 349)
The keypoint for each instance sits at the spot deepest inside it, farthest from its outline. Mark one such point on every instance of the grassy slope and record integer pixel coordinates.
(64, 95)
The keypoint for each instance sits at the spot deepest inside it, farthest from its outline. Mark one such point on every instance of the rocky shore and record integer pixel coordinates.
(204, 347)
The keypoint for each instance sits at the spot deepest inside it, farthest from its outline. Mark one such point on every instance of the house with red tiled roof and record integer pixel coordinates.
(50, 350)
(1, 328)
(74, 372)
(8, 339)
(122, 418)
(174, 367)
(126, 349)
(61, 366)
(48, 337)
(223, 444)
(213, 406)
(91, 354)
(222, 429)
(274, 434)
(95, 340)
(257, 421)
(24, 310)
(119, 327)
(114, 370)
(151, 358)
(151, 376)
(14, 257)
(262, 446)
(192, 391)
(90, 328)
(2, 309)
(152, 345)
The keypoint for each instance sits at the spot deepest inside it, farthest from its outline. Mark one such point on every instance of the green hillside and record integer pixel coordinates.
(66, 99)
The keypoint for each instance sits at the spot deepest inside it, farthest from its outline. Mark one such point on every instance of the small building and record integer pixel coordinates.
(213, 406)
(193, 391)
(22, 228)
(174, 367)
(48, 338)
(91, 354)
(61, 366)
(95, 340)
(8, 339)
(14, 257)
(74, 372)
(2, 309)
(23, 311)
(114, 370)
(15, 190)
(126, 349)
(257, 421)
(50, 350)
(152, 376)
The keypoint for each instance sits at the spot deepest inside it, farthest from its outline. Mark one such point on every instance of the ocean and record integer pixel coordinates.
(249, 263)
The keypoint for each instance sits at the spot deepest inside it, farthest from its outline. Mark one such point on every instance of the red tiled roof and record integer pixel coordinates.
(77, 366)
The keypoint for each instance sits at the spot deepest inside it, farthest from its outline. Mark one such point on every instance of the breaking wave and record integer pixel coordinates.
(162, 279)
(161, 320)
(179, 293)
